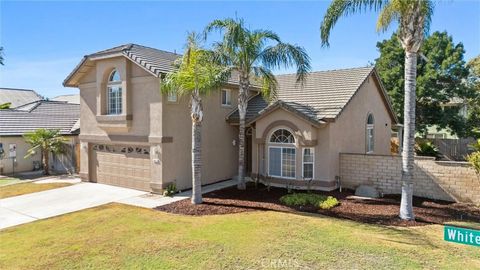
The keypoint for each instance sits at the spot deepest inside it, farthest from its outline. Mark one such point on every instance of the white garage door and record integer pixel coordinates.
(125, 166)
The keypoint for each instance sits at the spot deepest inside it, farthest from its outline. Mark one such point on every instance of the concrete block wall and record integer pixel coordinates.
(450, 181)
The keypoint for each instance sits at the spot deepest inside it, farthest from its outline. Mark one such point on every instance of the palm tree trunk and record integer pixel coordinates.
(197, 115)
(45, 162)
(408, 162)
(242, 110)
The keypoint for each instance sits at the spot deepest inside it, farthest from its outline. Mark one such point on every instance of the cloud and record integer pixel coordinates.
(44, 76)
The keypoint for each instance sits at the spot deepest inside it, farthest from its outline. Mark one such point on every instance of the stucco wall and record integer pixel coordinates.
(22, 164)
(219, 155)
(451, 181)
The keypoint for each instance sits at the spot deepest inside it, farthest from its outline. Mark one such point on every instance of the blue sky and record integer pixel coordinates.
(44, 41)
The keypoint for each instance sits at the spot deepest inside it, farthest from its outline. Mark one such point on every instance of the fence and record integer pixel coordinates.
(454, 149)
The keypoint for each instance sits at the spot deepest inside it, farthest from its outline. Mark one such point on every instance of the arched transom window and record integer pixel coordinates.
(281, 154)
(282, 136)
(370, 134)
(114, 93)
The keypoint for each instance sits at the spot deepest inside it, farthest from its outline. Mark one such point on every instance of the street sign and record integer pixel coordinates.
(12, 150)
(461, 235)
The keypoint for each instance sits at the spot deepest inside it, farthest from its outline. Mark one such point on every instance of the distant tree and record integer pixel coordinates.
(195, 76)
(1, 56)
(441, 77)
(46, 141)
(473, 117)
(5, 106)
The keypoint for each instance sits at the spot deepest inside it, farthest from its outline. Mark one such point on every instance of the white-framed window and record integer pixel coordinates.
(282, 154)
(226, 97)
(308, 160)
(172, 97)
(114, 93)
(370, 133)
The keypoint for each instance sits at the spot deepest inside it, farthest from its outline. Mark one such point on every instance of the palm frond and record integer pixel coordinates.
(340, 8)
(268, 81)
(287, 55)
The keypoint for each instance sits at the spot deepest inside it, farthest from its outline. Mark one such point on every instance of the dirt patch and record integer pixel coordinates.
(382, 211)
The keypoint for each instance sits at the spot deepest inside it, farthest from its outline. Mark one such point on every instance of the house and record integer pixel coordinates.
(134, 136)
(14, 123)
(18, 97)
(72, 98)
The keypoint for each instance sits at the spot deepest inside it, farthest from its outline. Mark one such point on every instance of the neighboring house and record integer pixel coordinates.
(134, 136)
(14, 123)
(434, 132)
(18, 97)
(73, 98)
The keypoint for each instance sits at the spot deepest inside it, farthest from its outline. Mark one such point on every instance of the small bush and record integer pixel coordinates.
(330, 202)
(426, 148)
(170, 190)
(304, 199)
(474, 160)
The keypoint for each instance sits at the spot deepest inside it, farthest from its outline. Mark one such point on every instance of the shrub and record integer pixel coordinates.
(330, 202)
(426, 148)
(170, 190)
(474, 158)
(304, 199)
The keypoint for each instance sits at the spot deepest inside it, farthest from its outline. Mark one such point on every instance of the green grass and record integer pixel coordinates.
(8, 181)
(25, 188)
(124, 237)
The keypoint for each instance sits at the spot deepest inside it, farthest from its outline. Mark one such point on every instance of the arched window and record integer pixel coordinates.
(282, 154)
(282, 136)
(370, 134)
(114, 93)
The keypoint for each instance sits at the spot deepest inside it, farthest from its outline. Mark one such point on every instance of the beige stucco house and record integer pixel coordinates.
(134, 136)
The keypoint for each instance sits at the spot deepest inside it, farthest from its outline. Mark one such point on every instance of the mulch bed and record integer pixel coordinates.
(382, 211)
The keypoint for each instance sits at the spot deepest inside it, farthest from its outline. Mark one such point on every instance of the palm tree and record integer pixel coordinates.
(413, 17)
(252, 54)
(196, 75)
(5, 106)
(45, 140)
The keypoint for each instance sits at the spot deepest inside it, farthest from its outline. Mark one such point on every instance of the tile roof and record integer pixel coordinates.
(73, 98)
(154, 61)
(40, 114)
(323, 96)
(18, 97)
(255, 105)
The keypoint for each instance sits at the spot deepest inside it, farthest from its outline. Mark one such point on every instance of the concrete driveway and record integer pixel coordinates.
(30, 207)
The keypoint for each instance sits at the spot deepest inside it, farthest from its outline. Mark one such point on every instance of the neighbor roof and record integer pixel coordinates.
(40, 114)
(74, 98)
(18, 97)
(154, 61)
(323, 96)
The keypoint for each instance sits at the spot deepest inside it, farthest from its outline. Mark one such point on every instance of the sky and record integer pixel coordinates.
(44, 41)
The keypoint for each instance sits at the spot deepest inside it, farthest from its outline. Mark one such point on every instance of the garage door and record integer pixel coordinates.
(124, 166)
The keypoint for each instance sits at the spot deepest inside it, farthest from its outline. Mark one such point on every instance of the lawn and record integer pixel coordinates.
(116, 236)
(8, 181)
(25, 188)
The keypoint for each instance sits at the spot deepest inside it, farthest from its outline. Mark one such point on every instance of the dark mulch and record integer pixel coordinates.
(382, 211)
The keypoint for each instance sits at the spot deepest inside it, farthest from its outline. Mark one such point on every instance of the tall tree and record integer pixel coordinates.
(413, 18)
(46, 141)
(473, 114)
(441, 77)
(195, 75)
(253, 54)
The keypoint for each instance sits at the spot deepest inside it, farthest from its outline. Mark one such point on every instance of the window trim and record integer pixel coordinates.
(228, 93)
(312, 162)
(369, 127)
(281, 161)
(110, 85)
(282, 143)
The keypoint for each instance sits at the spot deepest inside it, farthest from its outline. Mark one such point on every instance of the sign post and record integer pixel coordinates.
(12, 153)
